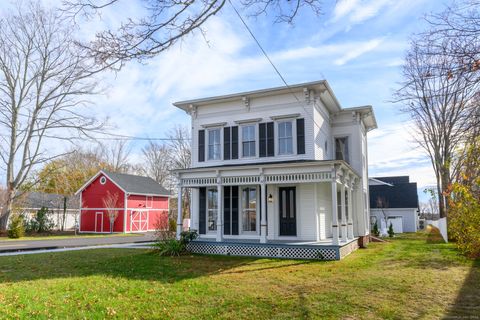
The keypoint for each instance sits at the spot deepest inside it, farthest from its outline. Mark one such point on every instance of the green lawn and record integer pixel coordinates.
(404, 279)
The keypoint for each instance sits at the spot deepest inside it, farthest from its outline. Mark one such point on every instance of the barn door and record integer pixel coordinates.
(139, 221)
(288, 212)
(99, 222)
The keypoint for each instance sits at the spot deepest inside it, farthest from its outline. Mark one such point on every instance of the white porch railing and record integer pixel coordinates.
(270, 179)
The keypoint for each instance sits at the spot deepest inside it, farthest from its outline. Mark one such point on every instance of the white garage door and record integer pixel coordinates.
(397, 223)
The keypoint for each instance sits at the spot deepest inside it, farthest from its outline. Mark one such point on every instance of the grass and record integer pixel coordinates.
(54, 236)
(402, 279)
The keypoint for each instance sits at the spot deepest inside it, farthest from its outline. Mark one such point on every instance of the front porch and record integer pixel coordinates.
(305, 210)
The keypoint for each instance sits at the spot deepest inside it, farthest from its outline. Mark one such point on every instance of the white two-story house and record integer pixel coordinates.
(279, 172)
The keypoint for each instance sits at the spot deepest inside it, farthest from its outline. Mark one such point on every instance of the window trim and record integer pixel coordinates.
(220, 139)
(255, 140)
(277, 138)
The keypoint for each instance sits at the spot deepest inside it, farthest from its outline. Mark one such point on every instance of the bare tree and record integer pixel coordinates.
(157, 162)
(439, 92)
(181, 147)
(181, 158)
(44, 81)
(117, 154)
(168, 21)
(110, 202)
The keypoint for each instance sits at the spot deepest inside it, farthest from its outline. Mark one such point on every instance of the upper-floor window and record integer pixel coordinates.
(341, 149)
(248, 141)
(285, 138)
(214, 144)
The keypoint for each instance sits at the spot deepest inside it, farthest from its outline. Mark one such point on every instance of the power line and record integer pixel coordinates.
(114, 136)
(270, 61)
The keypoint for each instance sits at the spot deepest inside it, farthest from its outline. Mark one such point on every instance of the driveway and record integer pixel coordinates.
(25, 245)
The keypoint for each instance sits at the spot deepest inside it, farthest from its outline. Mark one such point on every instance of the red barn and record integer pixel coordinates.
(141, 203)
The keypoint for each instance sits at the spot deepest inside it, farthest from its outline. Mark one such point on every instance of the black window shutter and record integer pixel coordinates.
(201, 145)
(235, 142)
(234, 200)
(270, 140)
(226, 210)
(226, 143)
(202, 211)
(300, 136)
(262, 132)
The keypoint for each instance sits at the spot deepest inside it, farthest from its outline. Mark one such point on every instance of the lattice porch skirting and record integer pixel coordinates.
(274, 250)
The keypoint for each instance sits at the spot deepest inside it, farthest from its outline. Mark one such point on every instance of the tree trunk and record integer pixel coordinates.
(64, 213)
(7, 209)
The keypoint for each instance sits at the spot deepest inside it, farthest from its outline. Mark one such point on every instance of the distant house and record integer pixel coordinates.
(63, 214)
(141, 203)
(395, 200)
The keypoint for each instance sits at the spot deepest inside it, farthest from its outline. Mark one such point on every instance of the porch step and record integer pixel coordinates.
(375, 239)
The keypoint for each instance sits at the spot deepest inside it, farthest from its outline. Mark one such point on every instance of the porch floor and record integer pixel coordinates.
(287, 249)
(324, 242)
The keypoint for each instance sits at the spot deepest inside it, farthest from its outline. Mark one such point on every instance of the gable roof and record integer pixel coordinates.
(132, 184)
(397, 193)
(36, 200)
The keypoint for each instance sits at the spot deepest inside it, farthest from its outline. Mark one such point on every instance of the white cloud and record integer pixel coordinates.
(368, 10)
(358, 11)
(392, 151)
(343, 8)
(358, 51)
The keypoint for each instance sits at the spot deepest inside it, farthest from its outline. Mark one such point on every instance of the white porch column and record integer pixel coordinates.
(180, 212)
(344, 218)
(219, 210)
(334, 211)
(350, 211)
(263, 221)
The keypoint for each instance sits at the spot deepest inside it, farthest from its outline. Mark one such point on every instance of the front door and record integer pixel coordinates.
(99, 222)
(288, 212)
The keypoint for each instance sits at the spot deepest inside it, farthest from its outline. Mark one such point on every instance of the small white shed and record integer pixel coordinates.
(394, 200)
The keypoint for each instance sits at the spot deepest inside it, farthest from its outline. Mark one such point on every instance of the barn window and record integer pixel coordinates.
(103, 180)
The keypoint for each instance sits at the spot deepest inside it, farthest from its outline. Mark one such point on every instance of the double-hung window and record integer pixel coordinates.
(341, 149)
(212, 209)
(285, 138)
(214, 144)
(248, 141)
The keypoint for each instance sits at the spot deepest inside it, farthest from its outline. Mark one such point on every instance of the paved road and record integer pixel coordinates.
(16, 245)
(143, 245)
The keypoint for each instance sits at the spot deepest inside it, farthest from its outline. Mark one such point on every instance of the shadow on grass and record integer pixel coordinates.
(130, 264)
(467, 303)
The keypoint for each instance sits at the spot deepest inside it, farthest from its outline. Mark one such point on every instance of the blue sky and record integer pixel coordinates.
(358, 46)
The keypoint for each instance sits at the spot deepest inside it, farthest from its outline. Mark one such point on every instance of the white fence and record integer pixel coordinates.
(441, 224)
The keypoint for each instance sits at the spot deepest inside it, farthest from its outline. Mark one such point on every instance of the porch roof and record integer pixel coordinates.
(270, 164)
(278, 172)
